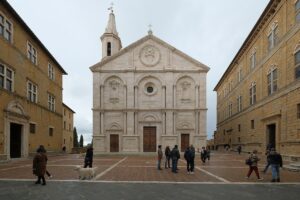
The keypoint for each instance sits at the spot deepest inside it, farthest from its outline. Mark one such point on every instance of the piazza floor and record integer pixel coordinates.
(130, 172)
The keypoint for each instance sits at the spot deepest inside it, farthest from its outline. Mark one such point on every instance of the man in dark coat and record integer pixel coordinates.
(88, 160)
(188, 158)
(175, 155)
(168, 156)
(192, 159)
(39, 165)
(275, 160)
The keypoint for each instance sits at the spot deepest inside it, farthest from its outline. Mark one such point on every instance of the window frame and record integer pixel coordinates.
(253, 93)
(253, 60)
(51, 102)
(32, 92)
(5, 30)
(32, 53)
(252, 124)
(51, 131)
(273, 37)
(7, 79)
(51, 71)
(272, 83)
(297, 11)
(297, 64)
(298, 111)
(239, 103)
(30, 126)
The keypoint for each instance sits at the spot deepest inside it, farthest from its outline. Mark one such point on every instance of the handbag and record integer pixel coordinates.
(248, 161)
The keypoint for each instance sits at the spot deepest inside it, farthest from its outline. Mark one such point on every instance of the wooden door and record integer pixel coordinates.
(114, 143)
(15, 140)
(185, 141)
(149, 139)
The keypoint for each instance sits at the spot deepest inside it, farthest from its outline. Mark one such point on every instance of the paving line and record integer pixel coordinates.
(210, 174)
(158, 182)
(215, 176)
(5, 169)
(107, 170)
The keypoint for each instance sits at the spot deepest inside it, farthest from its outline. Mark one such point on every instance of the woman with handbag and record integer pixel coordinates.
(252, 162)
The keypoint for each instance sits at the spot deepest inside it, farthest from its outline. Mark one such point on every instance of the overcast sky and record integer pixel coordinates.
(209, 31)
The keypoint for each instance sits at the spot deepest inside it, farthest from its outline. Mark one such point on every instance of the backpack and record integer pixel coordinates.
(248, 161)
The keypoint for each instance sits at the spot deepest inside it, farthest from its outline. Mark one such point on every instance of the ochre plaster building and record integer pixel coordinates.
(258, 96)
(30, 90)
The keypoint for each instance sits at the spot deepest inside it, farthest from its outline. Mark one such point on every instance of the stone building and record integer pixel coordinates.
(146, 94)
(258, 96)
(30, 90)
(68, 126)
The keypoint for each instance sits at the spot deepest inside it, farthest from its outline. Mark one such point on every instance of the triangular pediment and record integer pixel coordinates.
(149, 53)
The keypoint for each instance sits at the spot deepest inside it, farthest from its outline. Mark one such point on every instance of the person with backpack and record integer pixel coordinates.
(159, 157)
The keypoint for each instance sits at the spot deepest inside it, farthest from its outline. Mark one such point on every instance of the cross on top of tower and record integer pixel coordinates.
(111, 8)
(150, 29)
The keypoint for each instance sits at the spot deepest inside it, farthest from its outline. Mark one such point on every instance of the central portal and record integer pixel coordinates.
(149, 139)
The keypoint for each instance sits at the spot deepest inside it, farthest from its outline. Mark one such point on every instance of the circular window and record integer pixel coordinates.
(150, 89)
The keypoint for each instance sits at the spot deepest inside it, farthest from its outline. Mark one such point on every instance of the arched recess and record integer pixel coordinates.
(185, 92)
(114, 92)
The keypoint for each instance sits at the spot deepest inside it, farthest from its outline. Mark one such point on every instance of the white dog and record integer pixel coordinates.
(85, 173)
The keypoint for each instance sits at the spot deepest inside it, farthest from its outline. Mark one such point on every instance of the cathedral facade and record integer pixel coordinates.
(145, 95)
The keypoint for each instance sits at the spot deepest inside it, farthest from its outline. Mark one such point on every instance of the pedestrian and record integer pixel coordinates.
(39, 165)
(268, 161)
(192, 159)
(64, 149)
(253, 161)
(88, 160)
(239, 149)
(208, 154)
(188, 158)
(167, 156)
(275, 160)
(175, 156)
(159, 157)
(203, 154)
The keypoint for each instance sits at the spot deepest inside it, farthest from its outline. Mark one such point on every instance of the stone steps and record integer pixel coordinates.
(295, 167)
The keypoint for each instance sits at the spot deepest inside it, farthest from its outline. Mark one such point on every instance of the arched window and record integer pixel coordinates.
(108, 53)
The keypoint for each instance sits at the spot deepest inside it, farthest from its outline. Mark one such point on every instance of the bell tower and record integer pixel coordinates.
(111, 43)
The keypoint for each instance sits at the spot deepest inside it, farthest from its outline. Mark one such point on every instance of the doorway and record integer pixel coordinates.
(185, 141)
(271, 135)
(15, 140)
(114, 143)
(149, 143)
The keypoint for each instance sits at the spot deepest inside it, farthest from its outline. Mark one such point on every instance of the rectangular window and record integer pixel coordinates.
(51, 74)
(252, 124)
(230, 109)
(240, 75)
(239, 104)
(272, 81)
(32, 128)
(297, 65)
(298, 111)
(6, 28)
(64, 125)
(239, 128)
(253, 60)
(297, 8)
(51, 131)
(51, 102)
(252, 94)
(6, 78)
(31, 92)
(31, 53)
